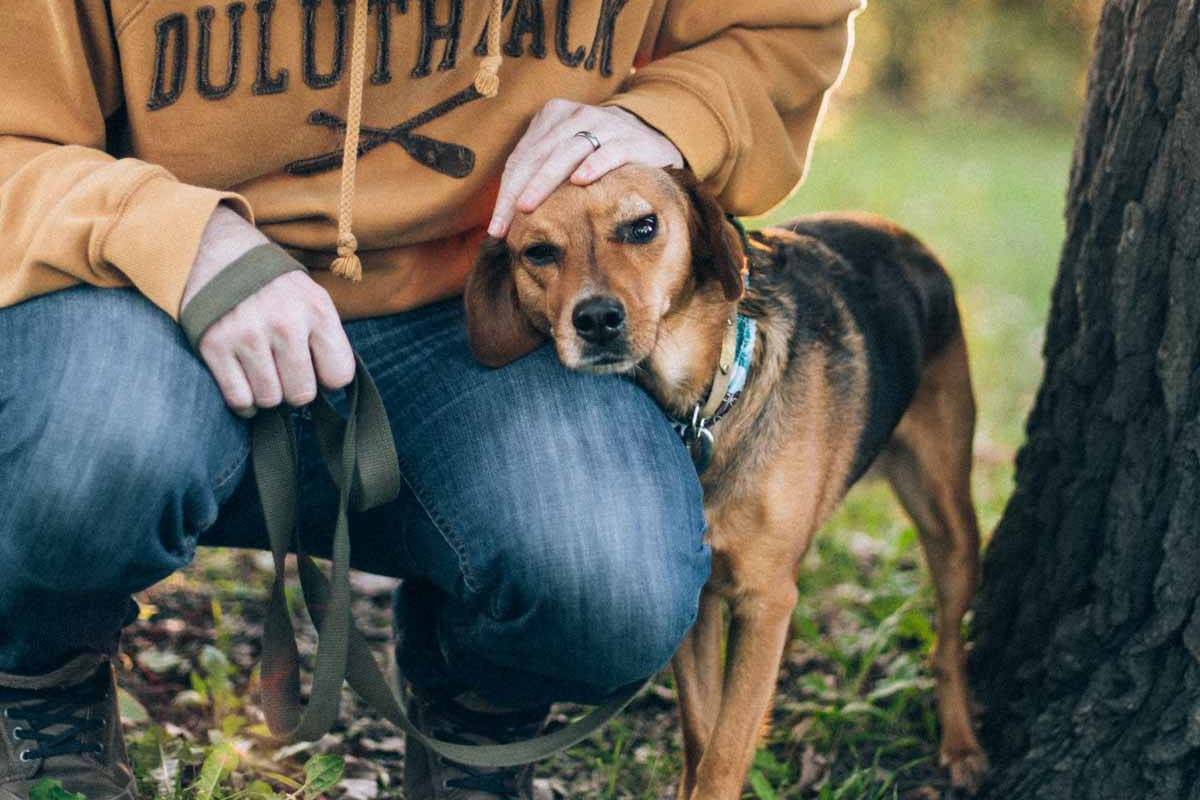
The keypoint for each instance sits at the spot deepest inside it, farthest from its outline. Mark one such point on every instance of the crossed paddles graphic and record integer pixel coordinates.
(448, 158)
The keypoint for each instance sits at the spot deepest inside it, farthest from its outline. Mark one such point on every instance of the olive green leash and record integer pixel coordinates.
(360, 454)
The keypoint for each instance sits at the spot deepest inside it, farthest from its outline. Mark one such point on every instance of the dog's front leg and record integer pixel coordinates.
(697, 666)
(759, 628)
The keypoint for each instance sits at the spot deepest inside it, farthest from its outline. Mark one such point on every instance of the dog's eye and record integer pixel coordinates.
(541, 255)
(641, 230)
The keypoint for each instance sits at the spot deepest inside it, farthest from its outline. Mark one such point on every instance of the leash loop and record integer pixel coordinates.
(360, 453)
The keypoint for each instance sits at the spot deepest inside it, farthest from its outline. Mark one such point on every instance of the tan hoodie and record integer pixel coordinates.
(123, 123)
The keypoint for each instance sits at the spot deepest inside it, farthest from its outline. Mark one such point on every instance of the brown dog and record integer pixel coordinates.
(858, 359)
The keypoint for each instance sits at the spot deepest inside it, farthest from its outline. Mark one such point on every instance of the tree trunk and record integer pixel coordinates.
(1087, 655)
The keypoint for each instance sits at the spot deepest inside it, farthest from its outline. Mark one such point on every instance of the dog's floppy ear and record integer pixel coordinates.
(716, 245)
(496, 329)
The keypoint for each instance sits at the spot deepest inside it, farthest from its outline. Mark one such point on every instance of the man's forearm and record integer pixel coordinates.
(227, 237)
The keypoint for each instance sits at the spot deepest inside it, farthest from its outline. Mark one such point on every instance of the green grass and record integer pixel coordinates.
(854, 717)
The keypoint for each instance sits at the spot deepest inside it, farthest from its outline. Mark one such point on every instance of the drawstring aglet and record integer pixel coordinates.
(347, 264)
(487, 79)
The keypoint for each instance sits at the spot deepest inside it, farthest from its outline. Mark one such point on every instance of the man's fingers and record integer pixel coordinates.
(258, 363)
(544, 134)
(331, 355)
(552, 116)
(502, 215)
(519, 168)
(610, 156)
(550, 153)
(276, 344)
(552, 124)
(553, 171)
(231, 380)
(294, 365)
(516, 173)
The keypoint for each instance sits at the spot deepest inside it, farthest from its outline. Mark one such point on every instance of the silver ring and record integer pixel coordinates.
(591, 139)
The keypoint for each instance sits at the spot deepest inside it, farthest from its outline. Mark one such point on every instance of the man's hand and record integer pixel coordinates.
(549, 153)
(278, 343)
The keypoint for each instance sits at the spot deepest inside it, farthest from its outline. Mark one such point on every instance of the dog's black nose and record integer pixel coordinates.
(599, 320)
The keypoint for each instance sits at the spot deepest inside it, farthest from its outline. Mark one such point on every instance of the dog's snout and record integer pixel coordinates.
(599, 320)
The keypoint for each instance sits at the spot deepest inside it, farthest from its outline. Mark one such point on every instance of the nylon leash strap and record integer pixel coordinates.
(360, 455)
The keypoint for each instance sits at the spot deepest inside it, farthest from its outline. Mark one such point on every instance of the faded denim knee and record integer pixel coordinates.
(584, 565)
(117, 452)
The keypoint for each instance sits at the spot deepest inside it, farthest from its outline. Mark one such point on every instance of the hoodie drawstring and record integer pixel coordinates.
(487, 82)
(487, 79)
(347, 264)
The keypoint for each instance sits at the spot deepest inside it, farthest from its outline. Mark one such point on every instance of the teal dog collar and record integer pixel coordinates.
(732, 371)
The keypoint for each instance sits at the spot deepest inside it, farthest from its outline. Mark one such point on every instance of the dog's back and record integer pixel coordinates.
(901, 301)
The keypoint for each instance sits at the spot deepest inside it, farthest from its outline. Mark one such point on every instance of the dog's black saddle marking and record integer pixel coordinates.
(900, 298)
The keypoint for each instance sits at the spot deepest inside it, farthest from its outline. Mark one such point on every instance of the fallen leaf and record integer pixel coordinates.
(132, 711)
(322, 773)
(160, 662)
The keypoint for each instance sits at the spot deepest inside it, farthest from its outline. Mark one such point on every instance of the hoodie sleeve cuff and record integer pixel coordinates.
(684, 117)
(154, 239)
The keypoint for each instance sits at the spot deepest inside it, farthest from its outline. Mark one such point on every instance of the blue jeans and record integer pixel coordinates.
(550, 532)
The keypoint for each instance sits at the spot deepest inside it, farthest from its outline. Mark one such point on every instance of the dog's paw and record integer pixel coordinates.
(967, 768)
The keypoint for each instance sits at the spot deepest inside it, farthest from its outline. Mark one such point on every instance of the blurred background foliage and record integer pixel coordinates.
(1022, 57)
(956, 118)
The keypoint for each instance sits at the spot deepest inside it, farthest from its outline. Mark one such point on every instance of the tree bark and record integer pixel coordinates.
(1087, 653)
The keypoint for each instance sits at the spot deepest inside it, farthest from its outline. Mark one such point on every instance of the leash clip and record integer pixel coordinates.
(699, 440)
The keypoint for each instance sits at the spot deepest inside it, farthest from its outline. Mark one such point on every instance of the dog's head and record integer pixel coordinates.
(597, 268)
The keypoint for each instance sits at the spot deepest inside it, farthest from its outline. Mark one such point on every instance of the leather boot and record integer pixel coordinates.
(64, 726)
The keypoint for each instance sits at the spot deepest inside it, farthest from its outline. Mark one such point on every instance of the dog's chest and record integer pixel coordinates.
(747, 557)
(738, 539)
